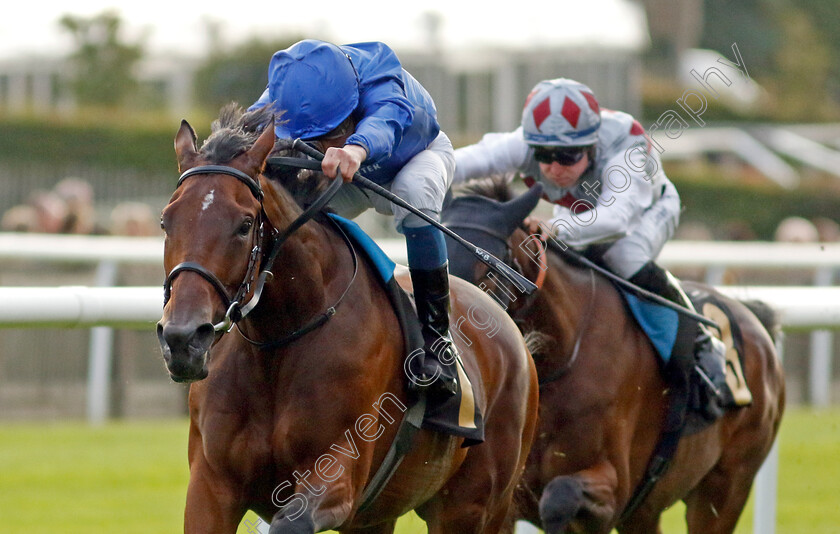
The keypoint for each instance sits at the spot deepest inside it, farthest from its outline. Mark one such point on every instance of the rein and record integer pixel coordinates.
(235, 310)
(321, 319)
(520, 282)
(580, 259)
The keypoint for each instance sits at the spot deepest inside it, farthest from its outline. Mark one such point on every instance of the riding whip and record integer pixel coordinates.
(633, 288)
(520, 282)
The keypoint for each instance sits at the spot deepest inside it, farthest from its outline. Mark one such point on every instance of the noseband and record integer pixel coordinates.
(235, 310)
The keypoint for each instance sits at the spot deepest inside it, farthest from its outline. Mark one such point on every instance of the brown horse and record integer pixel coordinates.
(293, 411)
(602, 394)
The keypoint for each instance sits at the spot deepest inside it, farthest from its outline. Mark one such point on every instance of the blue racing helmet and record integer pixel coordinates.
(317, 86)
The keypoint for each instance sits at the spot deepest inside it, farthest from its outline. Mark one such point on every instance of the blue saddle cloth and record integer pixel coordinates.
(660, 323)
(381, 262)
(445, 417)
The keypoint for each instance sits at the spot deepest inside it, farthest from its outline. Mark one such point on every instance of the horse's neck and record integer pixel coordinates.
(307, 267)
(564, 286)
(566, 298)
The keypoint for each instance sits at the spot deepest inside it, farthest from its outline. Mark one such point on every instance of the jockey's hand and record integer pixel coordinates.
(349, 158)
(535, 226)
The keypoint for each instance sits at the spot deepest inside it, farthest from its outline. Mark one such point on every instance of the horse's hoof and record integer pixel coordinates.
(283, 525)
(560, 501)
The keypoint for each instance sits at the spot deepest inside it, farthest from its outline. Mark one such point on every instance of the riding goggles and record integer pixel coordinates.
(563, 155)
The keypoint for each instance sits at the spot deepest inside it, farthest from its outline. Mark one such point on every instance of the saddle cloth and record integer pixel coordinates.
(459, 415)
(730, 333)
(670, 332)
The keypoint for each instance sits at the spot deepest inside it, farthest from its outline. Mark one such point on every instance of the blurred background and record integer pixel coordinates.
(90, 104)
(742, 99)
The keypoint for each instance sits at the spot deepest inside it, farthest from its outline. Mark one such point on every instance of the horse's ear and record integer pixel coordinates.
(262, 147)
(520, 207)
(185, 148)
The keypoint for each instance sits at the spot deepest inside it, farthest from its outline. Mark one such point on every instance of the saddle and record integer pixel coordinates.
(731, 369)
(459, 415)
(673, 336)
(695, 407)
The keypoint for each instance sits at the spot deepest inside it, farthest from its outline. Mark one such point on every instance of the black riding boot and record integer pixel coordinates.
(709, 352)
(431, 294)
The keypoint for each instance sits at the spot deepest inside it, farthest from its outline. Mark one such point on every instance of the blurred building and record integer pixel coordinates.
(40, 85)
(478, 68)
(675, 26)
(476, 91)
(34, 85)
(483, 90)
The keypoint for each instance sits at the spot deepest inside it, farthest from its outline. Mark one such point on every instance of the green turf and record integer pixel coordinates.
(131, 478)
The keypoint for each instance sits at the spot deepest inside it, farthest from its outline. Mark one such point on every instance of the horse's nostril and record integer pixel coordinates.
(167, 355)
(204, 335)
(178, 337)
(186, 338)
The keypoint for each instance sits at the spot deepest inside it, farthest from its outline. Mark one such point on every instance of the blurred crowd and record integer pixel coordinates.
(789, 230)
(69, 208)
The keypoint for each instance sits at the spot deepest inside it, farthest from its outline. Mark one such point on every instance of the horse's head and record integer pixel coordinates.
(489, 223)
(213, 225)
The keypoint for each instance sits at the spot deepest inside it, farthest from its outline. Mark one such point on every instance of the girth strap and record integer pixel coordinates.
(410, 424)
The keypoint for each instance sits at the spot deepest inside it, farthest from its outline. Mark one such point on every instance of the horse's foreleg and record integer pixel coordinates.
(478, 498)
(383, 528)
(212, 506)
(586, 498)
(641, 524)
(716, 504)
(316, 505)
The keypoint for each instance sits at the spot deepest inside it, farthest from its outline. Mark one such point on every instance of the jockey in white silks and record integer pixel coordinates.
(612, 200)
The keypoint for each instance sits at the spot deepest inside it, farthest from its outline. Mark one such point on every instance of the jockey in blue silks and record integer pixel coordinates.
(366, 113)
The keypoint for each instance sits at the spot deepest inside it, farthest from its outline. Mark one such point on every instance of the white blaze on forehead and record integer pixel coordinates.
(208, 199)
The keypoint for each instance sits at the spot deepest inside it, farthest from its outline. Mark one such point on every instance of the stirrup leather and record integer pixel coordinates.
(723, 345)
(734, 373)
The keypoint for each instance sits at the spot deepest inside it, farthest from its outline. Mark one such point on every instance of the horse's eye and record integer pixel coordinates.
(245, 228)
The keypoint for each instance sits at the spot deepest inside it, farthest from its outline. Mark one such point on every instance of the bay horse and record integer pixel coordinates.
(291, 407)
(602, 393)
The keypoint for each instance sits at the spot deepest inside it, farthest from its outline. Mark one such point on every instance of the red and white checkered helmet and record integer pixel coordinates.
(561, 112)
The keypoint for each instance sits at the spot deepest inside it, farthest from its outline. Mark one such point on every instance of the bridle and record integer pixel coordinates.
(236, 310)
(232, 305)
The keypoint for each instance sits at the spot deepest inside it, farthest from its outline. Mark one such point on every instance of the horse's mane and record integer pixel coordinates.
(496, 187)
(236, 130)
